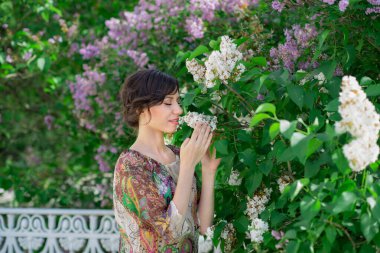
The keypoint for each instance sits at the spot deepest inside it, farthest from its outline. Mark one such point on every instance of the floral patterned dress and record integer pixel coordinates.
(147, 218)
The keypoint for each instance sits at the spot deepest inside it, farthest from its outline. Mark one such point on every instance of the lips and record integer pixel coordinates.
(174, 121)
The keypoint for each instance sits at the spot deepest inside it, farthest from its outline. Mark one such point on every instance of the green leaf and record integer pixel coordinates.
(253, 182)
(240, 41)
(258, 118)
(328, 69)
(341, 162)
(332, 106)
(351, 56)
(41, 63)
(344, 202)
(296, 94)
(287, 128)
(286, 155)
(296, 138)
(274, 130)
(310, 207)
(373, 90)
(293, 246)
(266, 167)
(250, 74)
(248, 157)
(266, 107)
(296, 187)
(290, 234)
(241, 224)
(365, 81)
(45, 16)
(181, 56)
(54, 9)
(376, 211)
(300, 74)
(222, 147)
(198, 51)
(261, 61)
(322, 38)
(369, 226)
(214, 44)
(314, 145)
(261, 81)
(189, 98)
(367, 248)
(330, 234)
(277, 218)
(313, 167)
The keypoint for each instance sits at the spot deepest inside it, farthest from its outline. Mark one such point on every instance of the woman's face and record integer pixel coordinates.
(163, 117)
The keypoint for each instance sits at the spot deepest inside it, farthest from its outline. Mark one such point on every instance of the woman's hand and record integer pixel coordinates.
(209, 161)
(194, 148)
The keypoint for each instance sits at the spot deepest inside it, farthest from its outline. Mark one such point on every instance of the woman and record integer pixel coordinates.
(156, 202)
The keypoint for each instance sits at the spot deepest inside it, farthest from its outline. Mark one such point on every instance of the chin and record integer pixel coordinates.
(171, 130)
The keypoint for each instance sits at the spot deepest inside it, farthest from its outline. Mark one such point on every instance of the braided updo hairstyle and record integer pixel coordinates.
(144, 89)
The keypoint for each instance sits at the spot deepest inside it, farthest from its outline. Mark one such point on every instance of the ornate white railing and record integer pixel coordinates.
(57, 230)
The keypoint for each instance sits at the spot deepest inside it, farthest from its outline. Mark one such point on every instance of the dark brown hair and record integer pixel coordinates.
(144, 89)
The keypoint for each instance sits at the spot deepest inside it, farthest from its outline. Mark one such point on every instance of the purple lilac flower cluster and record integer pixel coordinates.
(343, 4)
(375, 9)
(48, 120)
(99, 157)
(278, 6)
(139, 58)
(298, 39)
(204, 10)
(89, 51)
(148, 16)
(85, 85)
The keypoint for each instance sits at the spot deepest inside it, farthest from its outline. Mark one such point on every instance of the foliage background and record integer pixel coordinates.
(62, 64)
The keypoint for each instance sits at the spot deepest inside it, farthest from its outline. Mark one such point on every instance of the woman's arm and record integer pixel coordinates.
(192, 151)
(206, 203)
(183, 190)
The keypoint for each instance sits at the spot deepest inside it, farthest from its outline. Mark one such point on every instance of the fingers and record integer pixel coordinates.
(204, 139)
(196, 132)
(185, 141)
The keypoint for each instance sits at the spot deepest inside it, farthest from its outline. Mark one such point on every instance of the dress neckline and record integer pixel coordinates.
(154, 160)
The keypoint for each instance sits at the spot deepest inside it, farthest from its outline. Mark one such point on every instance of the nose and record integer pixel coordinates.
(178, 110)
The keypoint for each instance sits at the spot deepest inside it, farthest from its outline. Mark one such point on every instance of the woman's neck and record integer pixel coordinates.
(150, 141)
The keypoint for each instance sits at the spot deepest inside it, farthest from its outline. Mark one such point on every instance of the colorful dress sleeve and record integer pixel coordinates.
(144, 210)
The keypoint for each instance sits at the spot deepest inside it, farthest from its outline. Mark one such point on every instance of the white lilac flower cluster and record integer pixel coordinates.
(210, 232)
(204, 244)
(234, 179)
(360, 119)
(255, 206)
(228, 234)
(244, 120)
(196, 69)
(192, 118)
(283, 181)
(256, 230)
(321, 78)
(220, 65)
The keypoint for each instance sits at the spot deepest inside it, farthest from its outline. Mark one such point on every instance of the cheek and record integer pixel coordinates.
(159, 113)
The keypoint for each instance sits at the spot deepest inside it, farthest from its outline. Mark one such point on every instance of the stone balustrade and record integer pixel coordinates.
(57, 230)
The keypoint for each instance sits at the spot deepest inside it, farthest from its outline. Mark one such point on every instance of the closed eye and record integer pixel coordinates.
(178, 101)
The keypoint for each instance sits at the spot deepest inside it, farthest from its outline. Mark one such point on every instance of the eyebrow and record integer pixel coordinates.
(171, 96)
